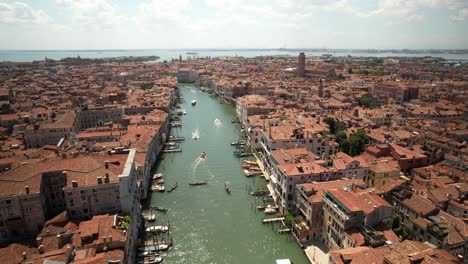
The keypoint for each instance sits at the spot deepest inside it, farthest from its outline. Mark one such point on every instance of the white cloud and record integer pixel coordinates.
(19, 12)
(92, 14)
(164, 10)
(412, 10)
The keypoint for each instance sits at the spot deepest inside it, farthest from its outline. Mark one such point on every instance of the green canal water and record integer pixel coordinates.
(207, 224)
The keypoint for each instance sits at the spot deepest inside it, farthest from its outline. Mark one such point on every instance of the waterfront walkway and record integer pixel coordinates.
(317, 252)
(260, 164)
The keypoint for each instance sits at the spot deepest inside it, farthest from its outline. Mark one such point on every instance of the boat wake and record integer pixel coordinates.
(196, 134)
(217, 123)
(195, 164)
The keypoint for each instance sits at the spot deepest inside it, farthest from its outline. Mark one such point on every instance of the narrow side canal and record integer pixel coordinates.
(207, 224)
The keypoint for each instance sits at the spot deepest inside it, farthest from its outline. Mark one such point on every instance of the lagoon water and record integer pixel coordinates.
(165, 54)
(207, 224)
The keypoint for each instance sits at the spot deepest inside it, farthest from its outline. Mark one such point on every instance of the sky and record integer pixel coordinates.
(232, 24)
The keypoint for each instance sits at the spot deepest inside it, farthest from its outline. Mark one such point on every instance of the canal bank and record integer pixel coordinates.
(209, 225)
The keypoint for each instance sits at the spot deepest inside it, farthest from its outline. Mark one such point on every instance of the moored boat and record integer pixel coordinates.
(198, 183)
(157, 176)
(173, 188)
(157, 247)
(160, 209)
(194, 102)
(158, 187)
(157, 229)
(270, 210)
(150, 260)
(149, 217)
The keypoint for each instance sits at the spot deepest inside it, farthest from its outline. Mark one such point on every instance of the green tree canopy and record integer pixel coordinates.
(364, 101)
(331, 123)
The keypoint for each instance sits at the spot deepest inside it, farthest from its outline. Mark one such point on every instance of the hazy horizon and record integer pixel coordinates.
(227, 24)
(239, 49)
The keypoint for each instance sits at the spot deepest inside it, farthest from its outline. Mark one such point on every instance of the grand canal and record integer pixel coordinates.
(207, 224)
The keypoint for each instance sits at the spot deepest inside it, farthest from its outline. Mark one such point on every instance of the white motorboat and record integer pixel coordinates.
(157, 247)
(158, 187)
(194, 102)
(157, 229)
(149, 217)
(157, 176)
(148, 253)
(151, 260)
(270, 210)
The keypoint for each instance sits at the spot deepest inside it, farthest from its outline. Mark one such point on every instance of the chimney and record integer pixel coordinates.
(27, 189)
(106, 164)
(39, 240)
(40, 248)
(99, 180)
(24, 255)
(74, 184)
(449, 196)
(106, 179)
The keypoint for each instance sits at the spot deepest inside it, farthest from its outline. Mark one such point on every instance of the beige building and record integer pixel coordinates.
(346, 208)
(309, 206)
(49, 132)
(84, 186)
(95, 116)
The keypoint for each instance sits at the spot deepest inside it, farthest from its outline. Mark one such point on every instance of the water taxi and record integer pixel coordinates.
(194, 103)
(203, 155)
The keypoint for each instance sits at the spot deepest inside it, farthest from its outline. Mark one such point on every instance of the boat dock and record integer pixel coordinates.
(286, 230)
(175, 139)
(271, 220)
(172, 150)
(260, 165)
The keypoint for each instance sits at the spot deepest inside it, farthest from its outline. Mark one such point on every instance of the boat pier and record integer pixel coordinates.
(271, 220)
(172, 150)
(175, 139)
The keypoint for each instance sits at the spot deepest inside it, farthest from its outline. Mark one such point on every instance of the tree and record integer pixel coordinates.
(341, 77)
(357, 142)
(350, 70)
(365, 72)
(288, 218)
(344, 146)
(331, 123)
(364, 101)
(341, 136)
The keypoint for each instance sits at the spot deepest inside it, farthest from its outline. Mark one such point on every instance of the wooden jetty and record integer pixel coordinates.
(271, 220)
(172, 150)
(176, 139)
